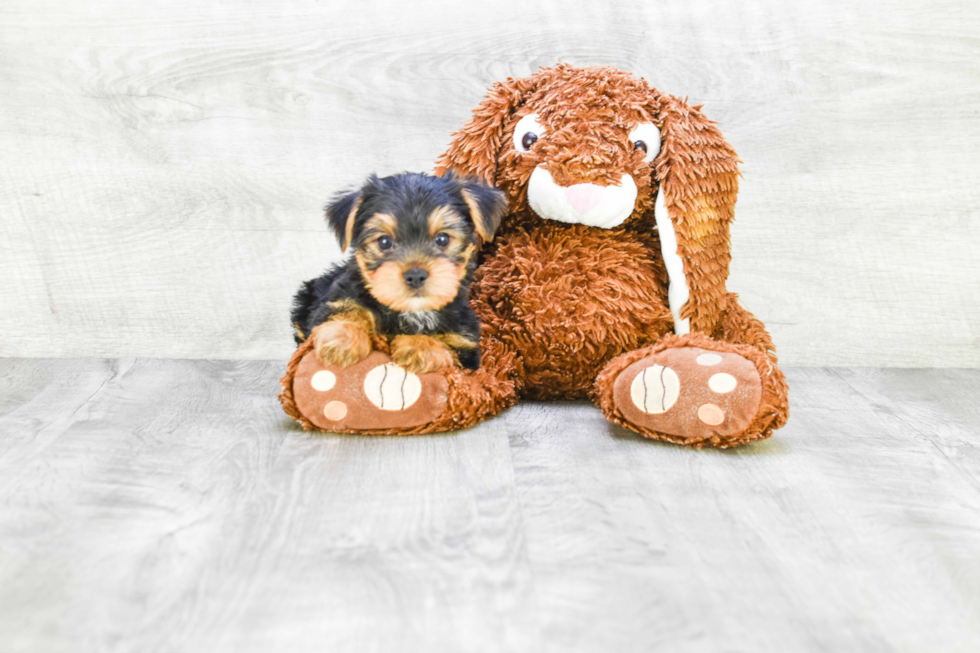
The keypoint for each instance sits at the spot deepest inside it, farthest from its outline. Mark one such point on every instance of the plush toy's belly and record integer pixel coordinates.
(569, 298)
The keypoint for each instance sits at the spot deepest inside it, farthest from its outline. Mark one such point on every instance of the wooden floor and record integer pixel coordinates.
(168, 505)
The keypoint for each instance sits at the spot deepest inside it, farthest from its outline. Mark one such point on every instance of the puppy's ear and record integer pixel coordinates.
(487, 207)
(341, 213)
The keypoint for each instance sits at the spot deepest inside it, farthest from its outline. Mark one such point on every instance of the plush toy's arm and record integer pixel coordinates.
(740, 327)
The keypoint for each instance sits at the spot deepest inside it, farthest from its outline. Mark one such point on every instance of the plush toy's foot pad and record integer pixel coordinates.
(372, 395)
(690, 392)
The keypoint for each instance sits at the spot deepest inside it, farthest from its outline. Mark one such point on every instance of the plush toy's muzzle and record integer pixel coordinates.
(586, 171)
(588, 204)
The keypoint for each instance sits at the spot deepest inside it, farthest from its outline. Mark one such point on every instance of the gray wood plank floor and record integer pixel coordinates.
(168, 505)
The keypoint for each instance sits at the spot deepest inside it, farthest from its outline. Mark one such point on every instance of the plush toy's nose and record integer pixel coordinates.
(415, 278)
(583, 197)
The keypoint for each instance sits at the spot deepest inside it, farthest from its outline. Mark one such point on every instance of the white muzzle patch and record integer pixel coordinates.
(589, 204)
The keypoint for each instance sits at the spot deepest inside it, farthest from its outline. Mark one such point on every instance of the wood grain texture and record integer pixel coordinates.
(166, 505)
(163, 164)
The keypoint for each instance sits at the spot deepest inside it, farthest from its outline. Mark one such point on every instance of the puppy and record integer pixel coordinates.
(415, 240)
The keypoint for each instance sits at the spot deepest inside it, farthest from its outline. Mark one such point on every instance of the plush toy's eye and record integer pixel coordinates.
(442, 240)
(385, 243)
(646, 138)
(527, 132)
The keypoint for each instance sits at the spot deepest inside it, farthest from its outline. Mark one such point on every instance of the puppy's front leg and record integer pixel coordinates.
(421, 354)
(344, 339)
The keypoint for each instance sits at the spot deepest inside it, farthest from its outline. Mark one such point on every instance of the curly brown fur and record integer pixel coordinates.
(599, 294)
(566, 299)
(696, 166)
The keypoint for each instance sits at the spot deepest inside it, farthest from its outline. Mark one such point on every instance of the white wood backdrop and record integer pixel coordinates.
(163, 164)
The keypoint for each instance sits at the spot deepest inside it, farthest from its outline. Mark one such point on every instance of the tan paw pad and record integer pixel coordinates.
(335, 411)
(323, 381)
(709, 359)
(390, 387)
(722, 383)
(655, 389)
(711, 415)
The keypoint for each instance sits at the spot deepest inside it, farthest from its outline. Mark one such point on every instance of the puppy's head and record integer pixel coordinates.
(414, 236)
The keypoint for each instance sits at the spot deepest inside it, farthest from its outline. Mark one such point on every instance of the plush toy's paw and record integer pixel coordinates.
(341, 343)
(690, 392)
(421, 354)
(373, 395)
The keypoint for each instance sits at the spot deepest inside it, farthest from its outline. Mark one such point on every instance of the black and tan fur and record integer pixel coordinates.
(401, 228)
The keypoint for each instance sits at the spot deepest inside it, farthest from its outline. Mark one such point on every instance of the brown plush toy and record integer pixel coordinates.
(606, 279)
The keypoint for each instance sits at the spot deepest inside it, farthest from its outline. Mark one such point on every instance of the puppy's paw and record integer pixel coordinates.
(421, 354)
(339, 342)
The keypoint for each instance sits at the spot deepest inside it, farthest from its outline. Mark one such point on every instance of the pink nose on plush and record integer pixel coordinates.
(583, 197)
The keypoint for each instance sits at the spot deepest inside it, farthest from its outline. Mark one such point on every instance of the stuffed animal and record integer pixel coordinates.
(606, 279)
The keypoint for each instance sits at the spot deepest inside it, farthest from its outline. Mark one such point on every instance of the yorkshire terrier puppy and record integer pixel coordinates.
(414, 238)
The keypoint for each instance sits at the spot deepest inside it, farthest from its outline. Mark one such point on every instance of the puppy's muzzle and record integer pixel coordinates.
(589, 204)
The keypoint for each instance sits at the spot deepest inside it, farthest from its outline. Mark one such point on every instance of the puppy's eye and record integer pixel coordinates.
(385, 243)
(646, 139)
(527, 132)
(442, 240)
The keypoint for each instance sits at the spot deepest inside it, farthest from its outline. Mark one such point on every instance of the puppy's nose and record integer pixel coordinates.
(415, 277)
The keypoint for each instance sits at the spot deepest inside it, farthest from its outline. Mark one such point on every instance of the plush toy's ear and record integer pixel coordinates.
(487, 207)
(475, 147)
(697, 171)
(341, 213)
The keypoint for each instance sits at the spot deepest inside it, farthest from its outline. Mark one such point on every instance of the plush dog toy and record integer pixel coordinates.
(606, 279)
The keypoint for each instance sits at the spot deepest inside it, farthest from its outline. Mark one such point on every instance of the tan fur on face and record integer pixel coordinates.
(387, 285)
(421, 354)
(467, 254)
(378, 225)
(384, 222)
(345, 338)
(443, 283)
(444, 218)
(381, 224)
